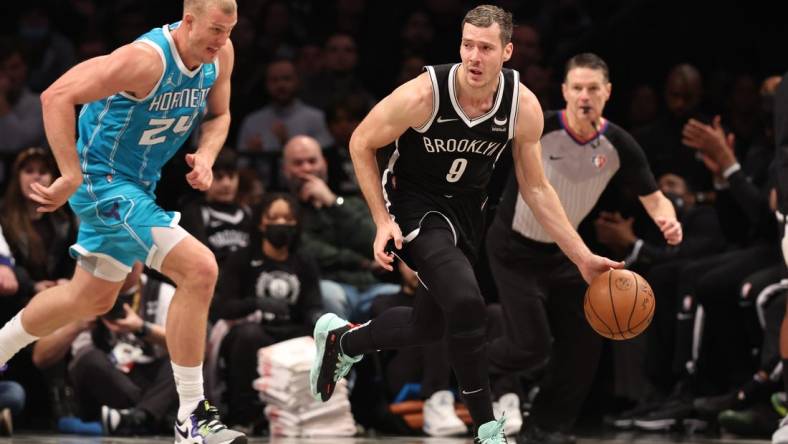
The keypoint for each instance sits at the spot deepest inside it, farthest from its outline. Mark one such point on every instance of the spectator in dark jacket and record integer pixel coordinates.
(39, 241)
(338, 232)
(216, 219)
(269, 292)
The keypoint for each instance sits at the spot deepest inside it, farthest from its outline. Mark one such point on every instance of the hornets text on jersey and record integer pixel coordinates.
(135, 137)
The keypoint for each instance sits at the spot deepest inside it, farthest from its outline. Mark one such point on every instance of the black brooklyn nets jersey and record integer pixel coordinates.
(444, 166)
(579, 171)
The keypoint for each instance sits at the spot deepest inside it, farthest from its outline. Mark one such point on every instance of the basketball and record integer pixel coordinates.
(619, 304)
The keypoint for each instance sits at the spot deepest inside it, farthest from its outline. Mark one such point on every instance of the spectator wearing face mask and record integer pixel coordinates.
(337, 232)
(275, 284)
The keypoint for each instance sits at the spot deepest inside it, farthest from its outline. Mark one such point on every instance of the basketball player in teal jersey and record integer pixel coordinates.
(141, 103)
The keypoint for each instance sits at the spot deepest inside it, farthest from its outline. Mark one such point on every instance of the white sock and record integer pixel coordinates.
(13, 338)
(188, 382)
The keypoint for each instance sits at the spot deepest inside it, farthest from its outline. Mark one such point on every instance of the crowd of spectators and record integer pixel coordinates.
(293, 237)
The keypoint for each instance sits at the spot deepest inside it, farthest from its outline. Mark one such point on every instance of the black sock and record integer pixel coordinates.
(785, 374)
(357, 341)
(468, 358)
(392, 329)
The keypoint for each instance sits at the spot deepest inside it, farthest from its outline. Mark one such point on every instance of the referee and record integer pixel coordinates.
(540, 289)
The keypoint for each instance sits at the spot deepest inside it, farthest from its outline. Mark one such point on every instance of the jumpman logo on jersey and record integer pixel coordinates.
(112, 212)
(169, 80)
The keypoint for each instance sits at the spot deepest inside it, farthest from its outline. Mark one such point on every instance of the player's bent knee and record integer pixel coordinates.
(201, 274)
(467, 313)
(432, 332)
(191, 263)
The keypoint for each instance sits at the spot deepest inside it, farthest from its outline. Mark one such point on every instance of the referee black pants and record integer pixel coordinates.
(545, 330)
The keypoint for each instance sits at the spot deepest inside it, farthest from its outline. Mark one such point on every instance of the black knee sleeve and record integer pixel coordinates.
(451, 280)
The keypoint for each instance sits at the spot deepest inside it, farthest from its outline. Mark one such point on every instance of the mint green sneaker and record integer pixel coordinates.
(330, 364)
(491, 432)
(780, 403)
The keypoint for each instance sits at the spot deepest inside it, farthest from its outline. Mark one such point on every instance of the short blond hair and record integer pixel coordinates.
(484, 16)
(199, 6)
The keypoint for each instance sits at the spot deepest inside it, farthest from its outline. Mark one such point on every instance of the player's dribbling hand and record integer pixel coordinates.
(201, 175)
(54, 196)
(595, 265)
(671, 229)
(386, 231)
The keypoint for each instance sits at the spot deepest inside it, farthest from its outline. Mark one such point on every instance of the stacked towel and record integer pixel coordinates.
(284, 386)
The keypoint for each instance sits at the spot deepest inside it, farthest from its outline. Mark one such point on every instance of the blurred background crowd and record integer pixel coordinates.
(694, 83)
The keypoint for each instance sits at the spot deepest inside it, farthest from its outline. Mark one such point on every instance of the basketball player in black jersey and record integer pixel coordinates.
(539, 288)
(450, 125)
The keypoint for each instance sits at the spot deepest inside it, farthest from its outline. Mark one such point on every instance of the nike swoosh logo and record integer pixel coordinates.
(233, 219)
(500, 122)
(556, 157)
(472, 392)
(256, 263)
(442, 120)
(183, 433)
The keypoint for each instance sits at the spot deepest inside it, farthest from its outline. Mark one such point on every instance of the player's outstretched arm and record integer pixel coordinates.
(410, 105)
(213, 130)
(133, 68)
(664, 215)
(540, 195)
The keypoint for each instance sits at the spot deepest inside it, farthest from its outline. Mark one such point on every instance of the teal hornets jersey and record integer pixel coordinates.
(135, 137)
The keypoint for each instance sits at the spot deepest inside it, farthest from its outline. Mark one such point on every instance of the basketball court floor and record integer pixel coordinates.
(621, 438)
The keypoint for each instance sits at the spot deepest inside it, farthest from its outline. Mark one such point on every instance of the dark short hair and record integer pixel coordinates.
(265, 204)
(39, 154)
(353, 105)
(226, 161)
(281, 59)
(588, 60)
(484, 16)
(270, 198)
(10, 46)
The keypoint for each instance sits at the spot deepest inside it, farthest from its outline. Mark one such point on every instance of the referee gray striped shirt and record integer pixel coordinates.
(579, 171)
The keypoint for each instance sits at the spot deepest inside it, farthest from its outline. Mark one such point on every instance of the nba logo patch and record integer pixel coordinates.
(599, 160)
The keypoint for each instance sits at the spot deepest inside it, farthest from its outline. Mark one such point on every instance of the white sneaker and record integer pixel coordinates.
(781, 435)
(440, 419)
(510, 405)
(203, 426)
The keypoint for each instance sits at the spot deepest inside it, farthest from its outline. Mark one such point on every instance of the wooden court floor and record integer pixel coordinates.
(621, 438)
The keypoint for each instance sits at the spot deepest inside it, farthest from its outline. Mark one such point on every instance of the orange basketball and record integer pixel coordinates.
(619, 304)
